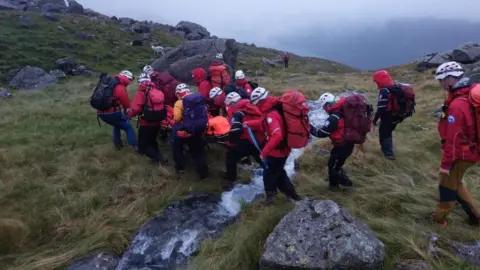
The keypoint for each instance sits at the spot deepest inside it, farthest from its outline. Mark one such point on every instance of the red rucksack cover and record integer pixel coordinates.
(474, 100)
(167, 84)
(357, 117)
(294, 109)
(219, 76)
(401, 100)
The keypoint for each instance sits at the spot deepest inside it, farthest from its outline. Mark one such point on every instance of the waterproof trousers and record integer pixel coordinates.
(148, 144)
(119, 122)
(338, 156)
(196, 146)
(242, 148)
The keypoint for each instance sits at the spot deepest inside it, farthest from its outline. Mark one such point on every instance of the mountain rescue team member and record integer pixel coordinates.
(457, 131)
(217, 97)
(275, 152)
(388, 122)
(148, 70)
(218, 72)
(114, 116)
(204, 86)
(195, 142)
(285, 59)
(231, 87)
(333, 128)
(241, 81)
(240, 144)
(148, 131)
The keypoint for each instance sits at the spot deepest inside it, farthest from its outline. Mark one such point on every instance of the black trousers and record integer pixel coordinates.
(338, 156)
(275, 177)
(385, 131)
(148, 144)
(242, 148)
(196, 145)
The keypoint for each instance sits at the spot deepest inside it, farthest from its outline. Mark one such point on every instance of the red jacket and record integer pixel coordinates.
(204, 86)
(156, 100)
(120, 95)
(250, 112)
(337, 135)
(217, 79)
(243, 83)
(272, 123)
(457, 130)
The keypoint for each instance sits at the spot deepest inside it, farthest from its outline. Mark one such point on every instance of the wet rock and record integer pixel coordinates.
(413, 265)
(272, 63)
(438, 245)
(433, 60)
(101, 261)
(168, 239)
(467, 53)
(196, 53)
(140, 28)
(179, 34)
(25, 21)
(32, 78)
(322, 235)
(5, 5)
(4, 94)
(192, 30)
(259, 73)
(66, 64)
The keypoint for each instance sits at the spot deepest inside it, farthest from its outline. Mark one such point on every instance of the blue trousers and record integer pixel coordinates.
(119, 122)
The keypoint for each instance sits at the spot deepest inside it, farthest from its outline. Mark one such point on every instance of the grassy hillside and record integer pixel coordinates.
(65, 191)
(45, 41)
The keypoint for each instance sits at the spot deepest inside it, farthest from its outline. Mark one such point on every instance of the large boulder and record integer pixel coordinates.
(192, 30)
(32, 78)
(277, 62)
(473, 71)
(4, 93)
(66, 65)
(467, 53)
(433, 60)
(322, 235)
(438, 245)
(6, 5)
(100, 261)
(75, 7)
(140, 28)
(55, 6)
(196, 53)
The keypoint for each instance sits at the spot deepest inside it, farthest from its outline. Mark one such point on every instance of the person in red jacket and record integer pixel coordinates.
(114, 115)
(241, 81)
(240, 144)
(276, 151)
(217, 101)
(218, 72)
(334, 128)
(148, 130)
(457, 131)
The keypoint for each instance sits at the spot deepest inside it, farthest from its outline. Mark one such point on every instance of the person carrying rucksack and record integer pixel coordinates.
(218, 72)
(276, 150)
(395, 103)
(241, 81)
(148, 103)
(167, 84)
(108, 98)
(204, 86)
(148, 70)
(241, 144)
(217, 97)
(231, 87)
(191, 118)
(458, 129)
(350, 114)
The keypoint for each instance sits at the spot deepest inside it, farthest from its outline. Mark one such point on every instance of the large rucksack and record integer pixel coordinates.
(401, 101)
(357, 117)
(195, 117)
(167, 84)
(294, 109)
(218, 76)
(102, 97)
(474, 100)
(154, 109)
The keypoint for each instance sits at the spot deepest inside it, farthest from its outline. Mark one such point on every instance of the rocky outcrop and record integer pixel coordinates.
(101, 261)
(192, 31)
(140, 28)
(272, 62)
(66, 65)
(75, 7)
(4, 94)
(6, 5)
(32, 78)
(321, 235)
(467, 53)
(437, 245)
(196, 53)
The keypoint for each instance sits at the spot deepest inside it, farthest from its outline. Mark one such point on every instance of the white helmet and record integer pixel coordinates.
(232, 97)
(258, 94)
(239, 75)
(148, 69)
(449, 69)
(326, 98)
(127, 74)
(219, 56)
(182, 88)
(142, 78)
(216, 91)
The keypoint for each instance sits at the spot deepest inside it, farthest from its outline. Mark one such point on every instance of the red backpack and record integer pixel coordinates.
(401, 101)
(357, 118)
(294, 109)
(167, 84)
(218, 76)
(154, 109)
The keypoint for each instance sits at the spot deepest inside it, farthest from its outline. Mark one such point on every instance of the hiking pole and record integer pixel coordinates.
(252, 136)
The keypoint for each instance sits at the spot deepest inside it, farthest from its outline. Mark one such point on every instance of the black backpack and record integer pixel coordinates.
(253, 85)
(102, 98)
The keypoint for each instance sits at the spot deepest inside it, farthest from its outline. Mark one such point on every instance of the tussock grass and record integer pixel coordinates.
(65, 192)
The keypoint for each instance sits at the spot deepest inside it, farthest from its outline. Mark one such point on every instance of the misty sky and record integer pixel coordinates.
(268, 23)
